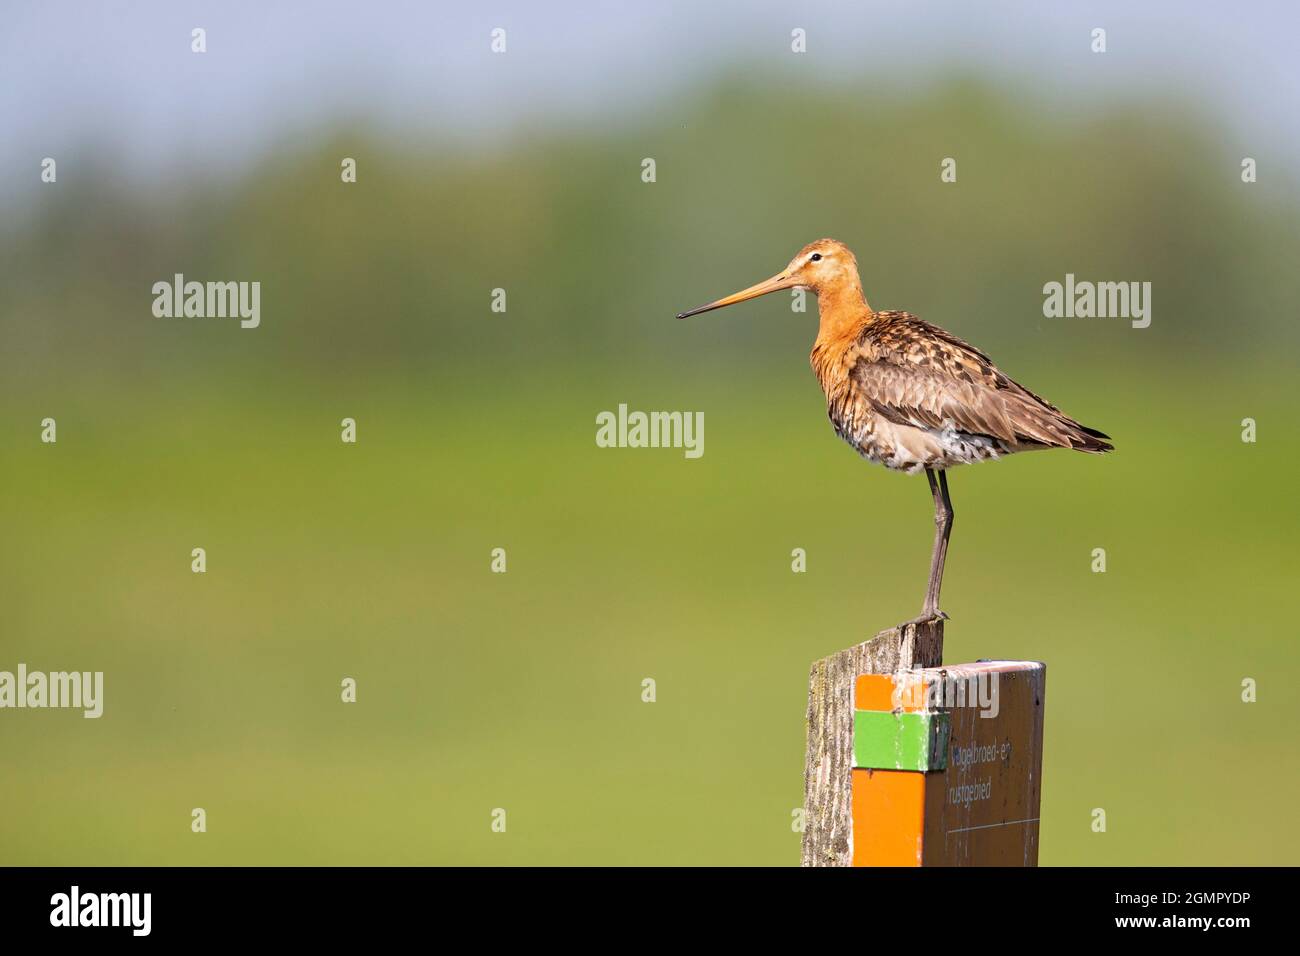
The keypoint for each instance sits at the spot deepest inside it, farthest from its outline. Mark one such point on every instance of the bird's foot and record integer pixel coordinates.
(927, 617)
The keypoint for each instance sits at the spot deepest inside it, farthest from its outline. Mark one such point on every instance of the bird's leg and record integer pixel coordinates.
(942, 528)
(947, 530)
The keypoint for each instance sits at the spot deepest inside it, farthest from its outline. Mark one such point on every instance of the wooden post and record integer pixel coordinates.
(910, 763)
(828, 766)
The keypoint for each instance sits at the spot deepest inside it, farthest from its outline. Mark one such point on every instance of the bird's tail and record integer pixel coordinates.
(1090, 440)
(1042, 423)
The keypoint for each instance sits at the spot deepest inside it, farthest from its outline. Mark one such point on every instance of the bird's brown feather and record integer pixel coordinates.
(918, 376)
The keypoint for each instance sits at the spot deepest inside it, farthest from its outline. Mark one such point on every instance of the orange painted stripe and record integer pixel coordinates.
(876, 692)
(888, 817)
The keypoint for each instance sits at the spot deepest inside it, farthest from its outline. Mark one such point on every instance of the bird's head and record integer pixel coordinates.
(821, 266)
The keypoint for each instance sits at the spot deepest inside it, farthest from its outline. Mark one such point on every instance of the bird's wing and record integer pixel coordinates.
(913, 373)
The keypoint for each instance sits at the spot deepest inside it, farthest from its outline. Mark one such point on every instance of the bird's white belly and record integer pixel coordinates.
(963, 448)
(910, 449)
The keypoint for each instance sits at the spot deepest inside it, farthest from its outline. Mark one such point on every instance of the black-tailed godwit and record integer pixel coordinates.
(910, 396)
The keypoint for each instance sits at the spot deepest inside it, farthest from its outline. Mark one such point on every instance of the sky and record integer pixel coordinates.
(122, 74)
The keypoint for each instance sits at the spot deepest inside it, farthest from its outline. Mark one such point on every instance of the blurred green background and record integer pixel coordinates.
(476, 431)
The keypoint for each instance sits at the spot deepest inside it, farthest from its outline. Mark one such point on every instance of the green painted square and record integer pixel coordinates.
(906, 741)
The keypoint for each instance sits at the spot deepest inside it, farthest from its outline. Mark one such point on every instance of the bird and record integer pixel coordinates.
(909, 395)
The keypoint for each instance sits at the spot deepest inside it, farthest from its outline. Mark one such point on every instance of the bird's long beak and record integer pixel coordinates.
(774, 284)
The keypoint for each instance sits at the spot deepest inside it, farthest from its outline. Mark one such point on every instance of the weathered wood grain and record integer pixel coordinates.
(828, 768)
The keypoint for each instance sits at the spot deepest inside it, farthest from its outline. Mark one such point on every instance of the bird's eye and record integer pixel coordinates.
(816, 257)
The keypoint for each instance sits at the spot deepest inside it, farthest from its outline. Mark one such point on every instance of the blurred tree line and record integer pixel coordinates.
(395, 272)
